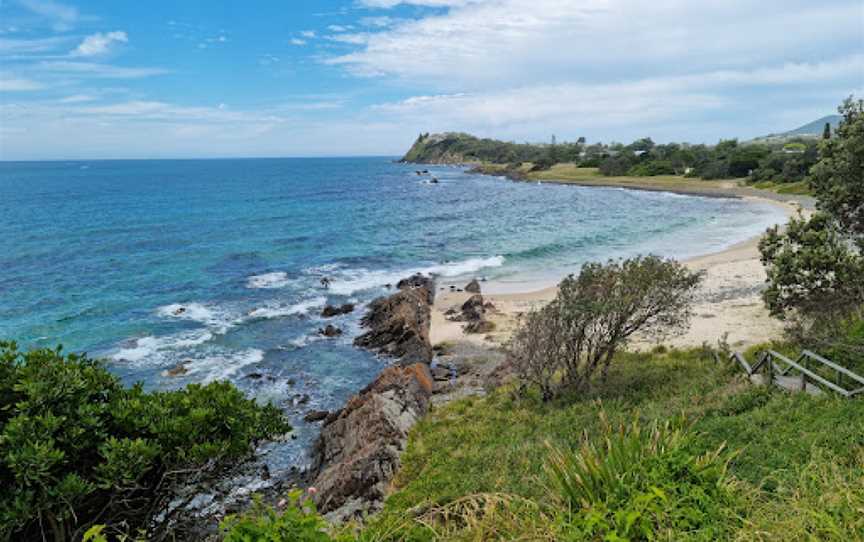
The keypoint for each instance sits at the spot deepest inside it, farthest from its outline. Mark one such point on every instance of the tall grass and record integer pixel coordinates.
(642, 483)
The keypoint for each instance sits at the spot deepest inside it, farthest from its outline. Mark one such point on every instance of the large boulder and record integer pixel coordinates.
(473, 309)
(473, 287)
(399, 324)
(358, 450)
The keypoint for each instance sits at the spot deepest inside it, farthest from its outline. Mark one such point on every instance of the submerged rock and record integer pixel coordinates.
(358, 450)
(178, 370)
(330, 331)
(331, 311)
(315, 415)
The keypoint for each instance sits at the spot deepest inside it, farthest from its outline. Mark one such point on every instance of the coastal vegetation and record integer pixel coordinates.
(674, 446)
(561, 345)
(815, 266)
(79, 449)
(769, 163)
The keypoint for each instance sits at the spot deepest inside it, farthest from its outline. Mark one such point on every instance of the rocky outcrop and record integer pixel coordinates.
(359, 448)
(473, 287)
(399, 324)
(331, 311)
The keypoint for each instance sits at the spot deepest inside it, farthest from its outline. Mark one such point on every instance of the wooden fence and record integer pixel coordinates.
(802, 374)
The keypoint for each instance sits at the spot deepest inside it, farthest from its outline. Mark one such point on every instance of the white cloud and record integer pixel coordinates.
(10, 83)
(96, 70)
(428, 3)
(63, 16)
(99, 43)
(24, 46)
(657, 106)
(339, 28)
(308, 34)
(297, 41)
(500, 43)
(77, 98)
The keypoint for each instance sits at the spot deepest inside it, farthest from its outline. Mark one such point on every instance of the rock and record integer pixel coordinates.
(178, 370)
(419, 282)
(331, 311)
(473, 287)
(479, 326)
(358, 450)
(472, 309)
(301, 399)
(179, 310)
(330, 331)
(433, 181)
(315, 415)
(489, 306)
(255, 376)
(399, 324)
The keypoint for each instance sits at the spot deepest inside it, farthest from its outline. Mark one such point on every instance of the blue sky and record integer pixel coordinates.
(109, 79)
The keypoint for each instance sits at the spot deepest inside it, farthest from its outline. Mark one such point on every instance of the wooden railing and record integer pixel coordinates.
(777, 370)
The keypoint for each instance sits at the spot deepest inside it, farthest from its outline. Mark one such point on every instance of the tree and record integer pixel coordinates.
(563, 344)
(77, 448)
(815, 268)
(837, 179)
(826, 133)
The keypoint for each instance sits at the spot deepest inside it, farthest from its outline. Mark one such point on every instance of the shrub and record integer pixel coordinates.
(298, 522)
(77, 448)
(643, 484)
(593, 316)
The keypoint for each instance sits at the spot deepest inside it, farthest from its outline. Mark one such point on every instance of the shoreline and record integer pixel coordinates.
(728, 301)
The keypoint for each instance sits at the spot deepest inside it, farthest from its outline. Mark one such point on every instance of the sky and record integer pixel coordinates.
(167, 79)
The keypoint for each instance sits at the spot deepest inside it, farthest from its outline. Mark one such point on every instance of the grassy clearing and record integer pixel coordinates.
(797, 188)
(478, 469)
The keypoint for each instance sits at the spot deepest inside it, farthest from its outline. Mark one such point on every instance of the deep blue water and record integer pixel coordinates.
(100, 255)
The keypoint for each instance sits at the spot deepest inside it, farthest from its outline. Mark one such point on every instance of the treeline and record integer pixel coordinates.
(779, 162)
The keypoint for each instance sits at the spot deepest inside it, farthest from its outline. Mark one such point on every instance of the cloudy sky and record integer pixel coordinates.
(109, 79)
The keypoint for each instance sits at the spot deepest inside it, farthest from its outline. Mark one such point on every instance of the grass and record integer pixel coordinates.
(796, 188)
(568, 173)
(478, 468)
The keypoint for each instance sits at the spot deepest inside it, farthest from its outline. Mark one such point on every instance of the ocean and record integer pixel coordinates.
(217, 263)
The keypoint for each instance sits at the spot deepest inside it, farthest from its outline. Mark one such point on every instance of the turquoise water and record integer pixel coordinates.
(100, 255)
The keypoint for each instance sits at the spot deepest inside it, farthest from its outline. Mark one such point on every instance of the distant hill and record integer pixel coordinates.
(459, 148)
(811, 129)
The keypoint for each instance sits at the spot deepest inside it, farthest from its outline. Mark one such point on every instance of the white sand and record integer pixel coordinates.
(728, 301)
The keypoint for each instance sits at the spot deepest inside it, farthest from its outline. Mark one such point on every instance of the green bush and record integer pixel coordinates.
(299, 522)
(643, 485)
(77, 448)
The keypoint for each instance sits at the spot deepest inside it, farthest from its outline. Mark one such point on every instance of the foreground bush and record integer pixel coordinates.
(562, 345)
(77, 448)
(643, 484)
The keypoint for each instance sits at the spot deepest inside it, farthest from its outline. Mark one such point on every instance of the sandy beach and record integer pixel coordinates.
(728, 301)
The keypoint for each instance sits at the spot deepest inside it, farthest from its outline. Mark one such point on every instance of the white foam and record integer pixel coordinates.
(278, 311)
(222, 366)
(219, 319)
(276, 279)
(350, 282)
(155, 348)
